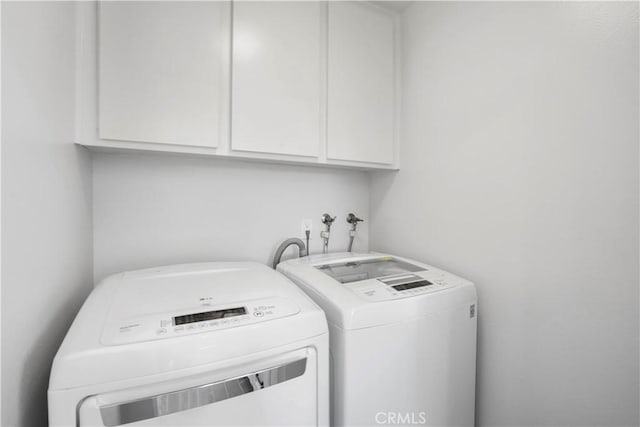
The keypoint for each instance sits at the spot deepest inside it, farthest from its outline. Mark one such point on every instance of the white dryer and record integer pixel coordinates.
(215, 344)
(402, 338)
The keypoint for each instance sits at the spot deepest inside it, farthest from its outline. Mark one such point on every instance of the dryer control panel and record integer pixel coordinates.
(204, 318)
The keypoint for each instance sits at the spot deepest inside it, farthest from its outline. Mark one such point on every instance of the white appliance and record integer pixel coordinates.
(402, 338)
(215, 344)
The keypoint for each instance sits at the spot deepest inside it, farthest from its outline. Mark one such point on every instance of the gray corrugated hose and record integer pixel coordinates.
(302, 250)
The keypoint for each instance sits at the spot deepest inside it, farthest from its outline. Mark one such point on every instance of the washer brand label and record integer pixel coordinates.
(401, 418)
(472, 311)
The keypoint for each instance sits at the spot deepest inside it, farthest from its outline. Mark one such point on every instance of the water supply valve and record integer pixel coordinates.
(353, 220)
(327, 220)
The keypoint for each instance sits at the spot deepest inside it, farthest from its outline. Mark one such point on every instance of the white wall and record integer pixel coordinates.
(519, 171)
(46, 203)
(152, 210)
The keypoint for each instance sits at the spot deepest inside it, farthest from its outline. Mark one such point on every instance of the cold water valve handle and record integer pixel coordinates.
(353, 220)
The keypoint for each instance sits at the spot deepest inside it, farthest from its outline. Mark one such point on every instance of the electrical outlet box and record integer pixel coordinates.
(307, 225)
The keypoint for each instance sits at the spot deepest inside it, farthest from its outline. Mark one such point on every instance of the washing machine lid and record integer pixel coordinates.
(356, 270)
(176, 317)
(370, 289)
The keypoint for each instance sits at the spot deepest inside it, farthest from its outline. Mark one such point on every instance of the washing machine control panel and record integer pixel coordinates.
(401, 285)
(202, 318)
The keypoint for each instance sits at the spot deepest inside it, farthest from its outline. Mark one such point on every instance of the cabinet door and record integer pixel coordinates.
(277, 96)
(361, 104)
(162, 74)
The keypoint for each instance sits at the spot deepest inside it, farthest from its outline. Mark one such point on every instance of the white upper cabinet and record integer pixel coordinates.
(289, 81)
(361, 83)
(278, 75)
(162, 73)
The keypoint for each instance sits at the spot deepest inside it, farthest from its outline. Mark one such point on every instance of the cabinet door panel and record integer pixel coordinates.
(276, 77)
(361, 105)
(162, 72)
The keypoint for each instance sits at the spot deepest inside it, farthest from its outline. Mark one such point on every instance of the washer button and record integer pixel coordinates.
(161, 331)
(258, 313)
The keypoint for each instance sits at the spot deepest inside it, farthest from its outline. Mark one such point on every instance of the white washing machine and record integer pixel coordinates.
(213, 344)
(402, 338)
